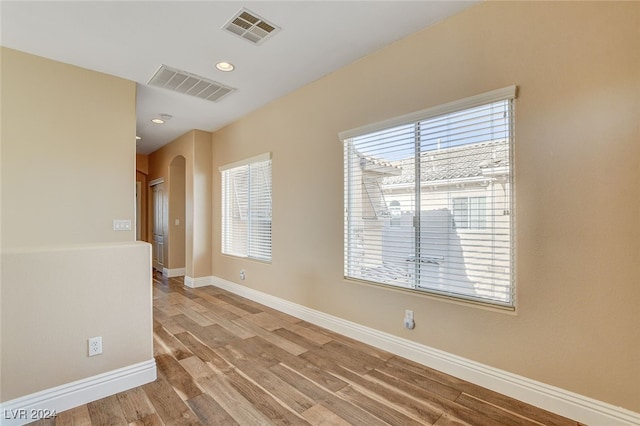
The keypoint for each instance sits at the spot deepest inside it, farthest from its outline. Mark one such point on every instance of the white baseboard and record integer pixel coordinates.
(174, 272)
(52, 401)
(197, 281)
(556, 400)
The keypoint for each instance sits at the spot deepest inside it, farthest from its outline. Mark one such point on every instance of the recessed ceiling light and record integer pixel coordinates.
(225, 66)
(161, 119)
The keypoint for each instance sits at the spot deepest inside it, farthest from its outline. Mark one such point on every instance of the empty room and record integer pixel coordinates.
(320, 212)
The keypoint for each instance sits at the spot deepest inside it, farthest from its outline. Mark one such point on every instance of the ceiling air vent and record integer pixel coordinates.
(250, 26)
(189, 84)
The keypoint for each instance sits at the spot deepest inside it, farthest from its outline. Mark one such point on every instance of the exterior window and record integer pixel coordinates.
(415, 185)
(246, 208)
(394, 208)
(470, 212)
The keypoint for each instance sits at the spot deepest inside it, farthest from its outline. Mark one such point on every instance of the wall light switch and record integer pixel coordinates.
(121, 225)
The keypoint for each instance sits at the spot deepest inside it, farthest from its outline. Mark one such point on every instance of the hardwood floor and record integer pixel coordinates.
(226, 360)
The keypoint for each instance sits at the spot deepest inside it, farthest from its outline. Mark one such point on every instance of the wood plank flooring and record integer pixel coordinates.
(226, 360)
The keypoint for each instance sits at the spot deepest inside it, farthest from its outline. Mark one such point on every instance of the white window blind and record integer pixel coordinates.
(428, 200)
(246, 208)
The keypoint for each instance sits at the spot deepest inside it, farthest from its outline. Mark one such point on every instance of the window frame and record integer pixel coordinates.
(505, 94)
(254, 246)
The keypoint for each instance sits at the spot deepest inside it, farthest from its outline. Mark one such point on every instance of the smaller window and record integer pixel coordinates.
(246, 208)
(394, 208)
(470, 212)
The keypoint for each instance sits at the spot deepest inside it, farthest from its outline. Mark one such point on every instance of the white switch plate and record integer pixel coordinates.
(121, 225)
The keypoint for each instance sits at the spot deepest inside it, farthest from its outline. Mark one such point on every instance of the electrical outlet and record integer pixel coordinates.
(95, 346)
(242, 274)
(409, 322)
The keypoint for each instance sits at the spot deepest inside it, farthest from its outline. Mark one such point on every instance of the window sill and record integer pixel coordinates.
(431, 295)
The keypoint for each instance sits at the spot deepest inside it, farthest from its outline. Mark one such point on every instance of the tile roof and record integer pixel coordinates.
(368, 162)
(453, 163)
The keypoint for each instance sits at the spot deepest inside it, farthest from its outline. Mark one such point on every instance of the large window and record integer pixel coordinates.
(428, 200)
(246, 208)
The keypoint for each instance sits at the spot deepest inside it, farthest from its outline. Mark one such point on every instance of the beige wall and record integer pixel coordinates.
(142, 163)
(53, 300)
(195, 147)
(177, 210)
(144, 194)
(577, 168)
(68, 170)
(58, 163)
(142, 170)
(201, 209)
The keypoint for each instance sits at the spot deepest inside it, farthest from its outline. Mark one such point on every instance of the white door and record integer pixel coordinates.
(159, 225)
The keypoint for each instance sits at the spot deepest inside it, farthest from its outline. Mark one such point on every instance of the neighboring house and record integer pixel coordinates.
(461, 188)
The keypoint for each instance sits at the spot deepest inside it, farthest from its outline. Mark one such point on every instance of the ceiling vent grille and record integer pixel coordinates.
(189, 84)
(250, 26)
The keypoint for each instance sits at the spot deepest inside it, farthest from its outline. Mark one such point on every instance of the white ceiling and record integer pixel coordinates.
(131, 39)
